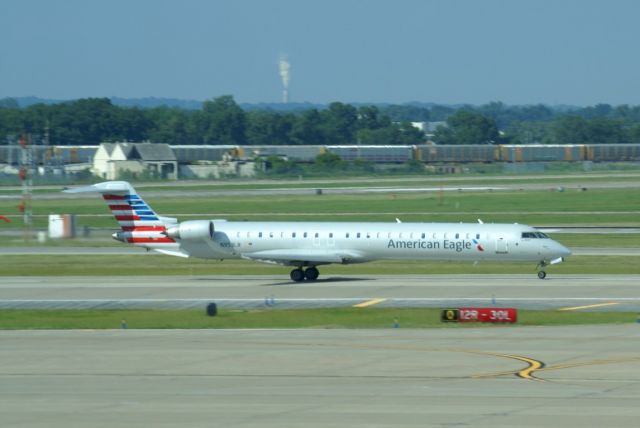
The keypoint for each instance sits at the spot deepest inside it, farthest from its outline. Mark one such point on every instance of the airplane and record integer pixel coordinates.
(307, 245)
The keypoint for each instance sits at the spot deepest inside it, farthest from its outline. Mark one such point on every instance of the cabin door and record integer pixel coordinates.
(502, 246)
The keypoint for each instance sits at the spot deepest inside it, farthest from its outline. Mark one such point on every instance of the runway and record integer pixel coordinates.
(586, 376)
(498, 377)
(587, 292)
(422, 185)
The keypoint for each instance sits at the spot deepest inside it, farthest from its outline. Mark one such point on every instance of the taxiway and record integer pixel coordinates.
(498, 377)
(601, 292)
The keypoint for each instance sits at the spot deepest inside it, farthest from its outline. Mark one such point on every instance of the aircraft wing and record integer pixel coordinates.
(178, 253)
(305, 256)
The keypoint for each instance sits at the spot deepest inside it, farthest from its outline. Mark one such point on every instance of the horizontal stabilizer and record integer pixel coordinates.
(168, 220)
(106, 187)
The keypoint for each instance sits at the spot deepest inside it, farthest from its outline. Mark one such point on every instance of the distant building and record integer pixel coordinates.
(113, 160)
(422, 126)
(429, 128)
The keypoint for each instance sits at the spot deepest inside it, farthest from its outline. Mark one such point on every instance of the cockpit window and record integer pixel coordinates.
(534, 235)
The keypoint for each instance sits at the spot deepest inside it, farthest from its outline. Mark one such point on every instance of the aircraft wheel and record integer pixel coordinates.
(542, 274)
(311, 273)
(297, 275)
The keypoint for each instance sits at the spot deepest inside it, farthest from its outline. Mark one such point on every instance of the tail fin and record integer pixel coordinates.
(138, 221)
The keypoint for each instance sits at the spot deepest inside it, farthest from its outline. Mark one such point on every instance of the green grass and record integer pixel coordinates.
(151, 264)
(394, 181)
(97, 241)
(295, 318)
(598, 240)
(613, 207)
(410, 182)
(478, 175)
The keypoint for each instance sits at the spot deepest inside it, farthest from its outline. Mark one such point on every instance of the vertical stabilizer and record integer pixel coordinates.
(138, 222)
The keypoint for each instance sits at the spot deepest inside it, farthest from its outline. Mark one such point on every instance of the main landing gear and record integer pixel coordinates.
(310, 274)
(542, 274)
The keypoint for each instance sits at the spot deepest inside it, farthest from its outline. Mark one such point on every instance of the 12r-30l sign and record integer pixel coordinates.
(495, 315)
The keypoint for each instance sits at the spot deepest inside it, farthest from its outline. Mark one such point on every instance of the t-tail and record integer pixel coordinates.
(139, 223)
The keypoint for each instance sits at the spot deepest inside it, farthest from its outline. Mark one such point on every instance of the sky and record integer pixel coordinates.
(555, 52)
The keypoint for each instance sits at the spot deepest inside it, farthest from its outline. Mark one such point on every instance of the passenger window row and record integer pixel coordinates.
(390, 235)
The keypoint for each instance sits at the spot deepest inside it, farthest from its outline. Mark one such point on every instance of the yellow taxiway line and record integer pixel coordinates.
(369, 303)
(597, 305)
(526, 373)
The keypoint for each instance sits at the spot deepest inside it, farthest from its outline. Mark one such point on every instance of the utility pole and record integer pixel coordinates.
(25, 174)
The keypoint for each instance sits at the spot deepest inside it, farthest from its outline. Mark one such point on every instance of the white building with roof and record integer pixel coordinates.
(115, 160)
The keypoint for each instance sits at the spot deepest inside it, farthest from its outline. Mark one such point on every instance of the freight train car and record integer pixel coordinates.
(69, 154)
(613, 152)
(47, 154)
(540, 152)
(193, 153)
(302, 153)
(456, 153)
(375, 154)
(7, 155)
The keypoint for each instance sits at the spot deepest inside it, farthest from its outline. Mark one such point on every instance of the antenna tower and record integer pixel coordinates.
(25, 174)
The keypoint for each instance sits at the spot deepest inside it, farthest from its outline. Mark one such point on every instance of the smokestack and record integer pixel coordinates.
(285, 76)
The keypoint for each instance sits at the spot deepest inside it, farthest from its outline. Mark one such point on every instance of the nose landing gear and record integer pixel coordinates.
(310, 274)
(541, 273)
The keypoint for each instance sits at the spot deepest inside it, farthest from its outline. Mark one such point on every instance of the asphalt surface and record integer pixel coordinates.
(331, 181)
(586, 376)
(575, 292)
(360, 190)
(147, 191)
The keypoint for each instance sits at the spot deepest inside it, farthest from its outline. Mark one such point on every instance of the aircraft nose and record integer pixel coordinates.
(563, 251)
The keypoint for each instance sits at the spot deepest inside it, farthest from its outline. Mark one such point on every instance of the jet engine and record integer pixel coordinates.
(194, 230)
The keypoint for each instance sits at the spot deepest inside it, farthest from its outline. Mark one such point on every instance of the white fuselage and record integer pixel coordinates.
(309, 244)
(354, 242)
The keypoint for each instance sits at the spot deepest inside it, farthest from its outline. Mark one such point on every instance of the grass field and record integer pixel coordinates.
(604, 207)
(127, 265)
(593, 207)
(493, 177)
(612, 207)
(295, 318)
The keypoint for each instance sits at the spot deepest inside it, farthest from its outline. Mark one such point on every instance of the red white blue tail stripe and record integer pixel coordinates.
(128, 209)
(139, 223)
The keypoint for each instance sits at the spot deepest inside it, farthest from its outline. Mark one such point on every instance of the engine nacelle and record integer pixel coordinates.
(194, 230)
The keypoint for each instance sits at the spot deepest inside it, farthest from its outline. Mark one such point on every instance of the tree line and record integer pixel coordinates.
(222, 121)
